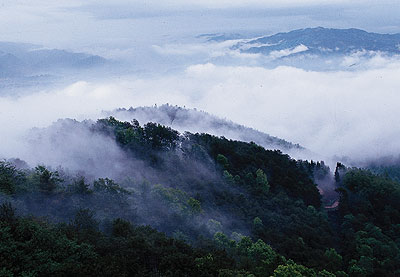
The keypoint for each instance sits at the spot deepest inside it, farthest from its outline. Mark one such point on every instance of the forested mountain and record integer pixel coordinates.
(184, 204)
(196, 121)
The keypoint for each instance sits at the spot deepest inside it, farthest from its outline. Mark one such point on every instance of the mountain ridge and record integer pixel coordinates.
(322, 40)
(196, 121)
(22, 59)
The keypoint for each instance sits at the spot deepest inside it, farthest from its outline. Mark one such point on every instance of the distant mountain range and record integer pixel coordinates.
(220, 37)
(322, 41)
(25, 65)
(21, 59)
(195, 121)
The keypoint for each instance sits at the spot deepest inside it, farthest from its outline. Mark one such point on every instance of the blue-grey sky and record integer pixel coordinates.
(78, 24)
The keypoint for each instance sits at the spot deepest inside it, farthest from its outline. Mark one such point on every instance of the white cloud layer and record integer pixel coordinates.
(286, 52)
(345, 113)
(351, 114)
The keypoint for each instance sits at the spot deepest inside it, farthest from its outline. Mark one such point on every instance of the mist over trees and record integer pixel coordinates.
(197, 121)
(194, 205)
(279, 157)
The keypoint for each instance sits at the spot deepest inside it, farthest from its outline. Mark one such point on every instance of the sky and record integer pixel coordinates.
(334, 113)
(94, 25)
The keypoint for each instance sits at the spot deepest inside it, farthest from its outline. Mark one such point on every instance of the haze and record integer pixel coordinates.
(159, 58)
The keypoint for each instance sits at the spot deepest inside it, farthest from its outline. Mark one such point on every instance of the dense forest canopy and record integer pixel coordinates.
(196, 205)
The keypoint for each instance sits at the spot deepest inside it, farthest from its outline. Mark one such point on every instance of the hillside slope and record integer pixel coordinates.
(196, 121)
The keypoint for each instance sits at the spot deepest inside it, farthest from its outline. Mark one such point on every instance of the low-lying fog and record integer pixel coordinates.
(336, 113)
(335, 107)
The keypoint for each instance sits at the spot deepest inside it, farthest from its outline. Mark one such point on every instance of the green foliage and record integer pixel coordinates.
(228, 177)
(214, 226)
(292, 269)
(121, 228)
(370, 240)
(32, 248)
(194, 206)
(4, 272)
(205, 264)
(84, 220)
(258, 225)
(265, 255)
(108, 186)
(79, 186)
(325, 273)
(246, 158)
(160, 137)
(262, 181)
(7, 212)
(222, 241)
(10, 178)
(257, 222)
(234, 273)
(256, 257)
(46, 180)
(333, 260)
(151, 136)
(207, 181)
(223, 161)
(236, 236)
(177, 200)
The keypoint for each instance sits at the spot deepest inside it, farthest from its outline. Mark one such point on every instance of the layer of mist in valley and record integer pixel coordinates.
(331, 100)
(199, 138)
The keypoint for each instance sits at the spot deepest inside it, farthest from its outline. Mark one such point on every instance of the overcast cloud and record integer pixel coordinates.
(92, 25)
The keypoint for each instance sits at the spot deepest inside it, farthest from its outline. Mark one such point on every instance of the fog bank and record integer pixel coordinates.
(331, 113)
